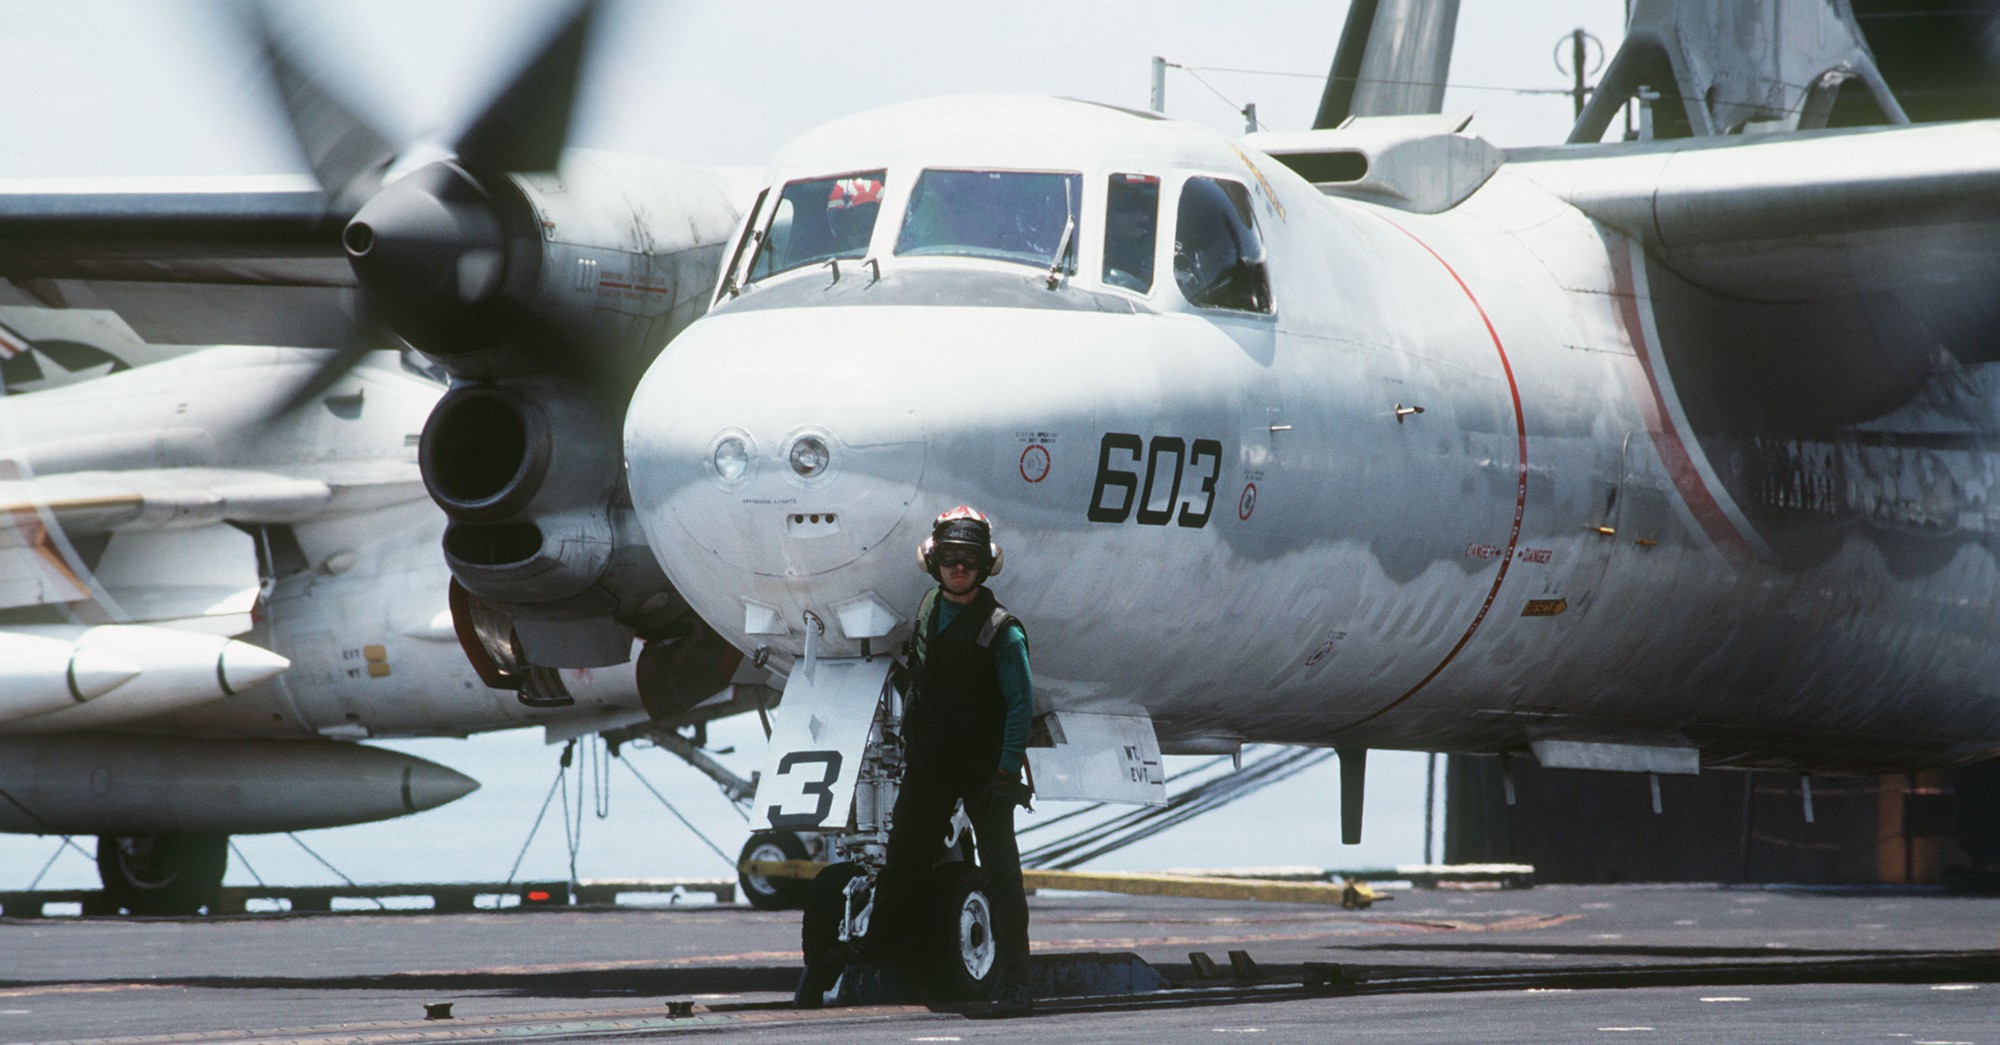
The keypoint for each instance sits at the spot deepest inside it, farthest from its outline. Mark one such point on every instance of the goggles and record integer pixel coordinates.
(967, 557)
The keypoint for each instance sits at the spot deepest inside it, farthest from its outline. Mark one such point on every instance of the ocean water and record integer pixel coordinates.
(602, 815)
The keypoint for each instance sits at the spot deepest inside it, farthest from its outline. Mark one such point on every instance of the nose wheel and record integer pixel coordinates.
(962, 950)
(827, 908)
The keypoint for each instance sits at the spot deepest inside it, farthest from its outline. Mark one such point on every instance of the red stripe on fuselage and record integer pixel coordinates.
(1667, 438)
(1520, 490)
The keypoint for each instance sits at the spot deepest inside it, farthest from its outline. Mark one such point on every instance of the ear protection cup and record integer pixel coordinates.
(924, 556)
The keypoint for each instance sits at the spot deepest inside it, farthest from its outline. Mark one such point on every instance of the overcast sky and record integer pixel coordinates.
(138, 87)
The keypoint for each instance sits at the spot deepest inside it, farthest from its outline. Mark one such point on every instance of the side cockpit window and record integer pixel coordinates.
(1218, 256)
(818, 219)
(1131, 231)
(1024, 216)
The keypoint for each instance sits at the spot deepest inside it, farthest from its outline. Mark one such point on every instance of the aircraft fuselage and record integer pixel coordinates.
(1459, 481)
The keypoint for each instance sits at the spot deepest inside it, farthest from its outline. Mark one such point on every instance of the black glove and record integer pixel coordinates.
(1007, 789)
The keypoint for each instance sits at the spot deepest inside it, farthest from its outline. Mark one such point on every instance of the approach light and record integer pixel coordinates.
(732, 458)
(809, 456)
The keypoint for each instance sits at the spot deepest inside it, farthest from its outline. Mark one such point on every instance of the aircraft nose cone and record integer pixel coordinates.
(241, 665)
(774, 443)
(427, 785)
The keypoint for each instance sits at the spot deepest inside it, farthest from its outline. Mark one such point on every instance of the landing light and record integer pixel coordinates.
(809, 456)
(732, 457)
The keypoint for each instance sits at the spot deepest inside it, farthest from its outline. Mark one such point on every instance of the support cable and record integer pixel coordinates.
(1097, 806)
(245, 861)
(601, 779)
(337, 873)
(52, 862)
(677, 813)
(572, 828)
(533, 828)
(1106, 837)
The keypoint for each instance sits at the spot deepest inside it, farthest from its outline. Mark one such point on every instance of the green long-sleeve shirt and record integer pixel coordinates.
(1010, 655)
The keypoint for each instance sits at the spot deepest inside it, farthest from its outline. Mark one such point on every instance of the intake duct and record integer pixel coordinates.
(554, 557)
(493, 452)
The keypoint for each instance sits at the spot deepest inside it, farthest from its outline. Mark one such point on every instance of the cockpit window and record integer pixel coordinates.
(1131, 231)
(820, 218)
(1024, 216)
(1218, 257)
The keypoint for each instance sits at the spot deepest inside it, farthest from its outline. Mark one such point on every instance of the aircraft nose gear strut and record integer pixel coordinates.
(840, 902)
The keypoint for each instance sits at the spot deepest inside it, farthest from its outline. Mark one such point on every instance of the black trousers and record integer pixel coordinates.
(922, 815)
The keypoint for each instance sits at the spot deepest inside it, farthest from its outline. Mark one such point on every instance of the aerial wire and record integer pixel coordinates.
(1447, 84)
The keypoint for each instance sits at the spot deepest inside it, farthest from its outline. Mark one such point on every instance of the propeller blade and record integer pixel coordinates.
(346, 153)
(524, 128)
(365, 334)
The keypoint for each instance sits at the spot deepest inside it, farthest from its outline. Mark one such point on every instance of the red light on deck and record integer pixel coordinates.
(538, 896)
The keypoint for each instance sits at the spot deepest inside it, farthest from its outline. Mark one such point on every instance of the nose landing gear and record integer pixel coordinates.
(954, 948)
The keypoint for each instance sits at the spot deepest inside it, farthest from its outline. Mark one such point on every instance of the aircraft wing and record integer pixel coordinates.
(1807, 217)
(164, 549)
(198, 260)
(85, 503)
(276, 230)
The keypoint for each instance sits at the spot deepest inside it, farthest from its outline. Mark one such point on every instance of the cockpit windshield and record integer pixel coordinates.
(1131, 231)
(820, 218)
(1218, 257)
(1024, 216)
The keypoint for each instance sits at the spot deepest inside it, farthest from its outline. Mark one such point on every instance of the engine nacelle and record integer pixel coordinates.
(529, 289)
(589, 269)
(492, 452)
(529, 472)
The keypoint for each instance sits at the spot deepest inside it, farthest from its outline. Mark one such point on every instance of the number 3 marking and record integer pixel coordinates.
(1211, 449)
(823, 788)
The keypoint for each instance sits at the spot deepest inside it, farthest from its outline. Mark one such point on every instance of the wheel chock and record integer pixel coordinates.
(1245, 970)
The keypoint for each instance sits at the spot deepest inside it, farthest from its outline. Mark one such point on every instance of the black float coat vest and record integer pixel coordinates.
(957, 715)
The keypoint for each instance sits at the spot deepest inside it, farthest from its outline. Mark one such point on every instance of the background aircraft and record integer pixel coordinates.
(205, 605)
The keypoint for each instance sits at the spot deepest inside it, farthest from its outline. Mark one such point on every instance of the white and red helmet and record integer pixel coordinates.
(963, 525)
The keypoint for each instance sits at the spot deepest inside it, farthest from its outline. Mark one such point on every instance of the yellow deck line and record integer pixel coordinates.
(1130, 883)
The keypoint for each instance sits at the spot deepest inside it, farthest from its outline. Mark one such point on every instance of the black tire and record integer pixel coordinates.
(825, 905)
(960, 947)
(162, 874)
(772, 894)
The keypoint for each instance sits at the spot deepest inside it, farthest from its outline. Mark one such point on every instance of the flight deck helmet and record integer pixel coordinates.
(966, 526)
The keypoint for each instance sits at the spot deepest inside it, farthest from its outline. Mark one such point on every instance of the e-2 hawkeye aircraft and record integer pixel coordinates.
(1649, 456)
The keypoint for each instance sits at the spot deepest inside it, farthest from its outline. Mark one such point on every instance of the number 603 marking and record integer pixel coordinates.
(1168, 461)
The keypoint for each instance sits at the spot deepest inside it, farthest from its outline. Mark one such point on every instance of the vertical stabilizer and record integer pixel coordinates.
(1392, 60)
